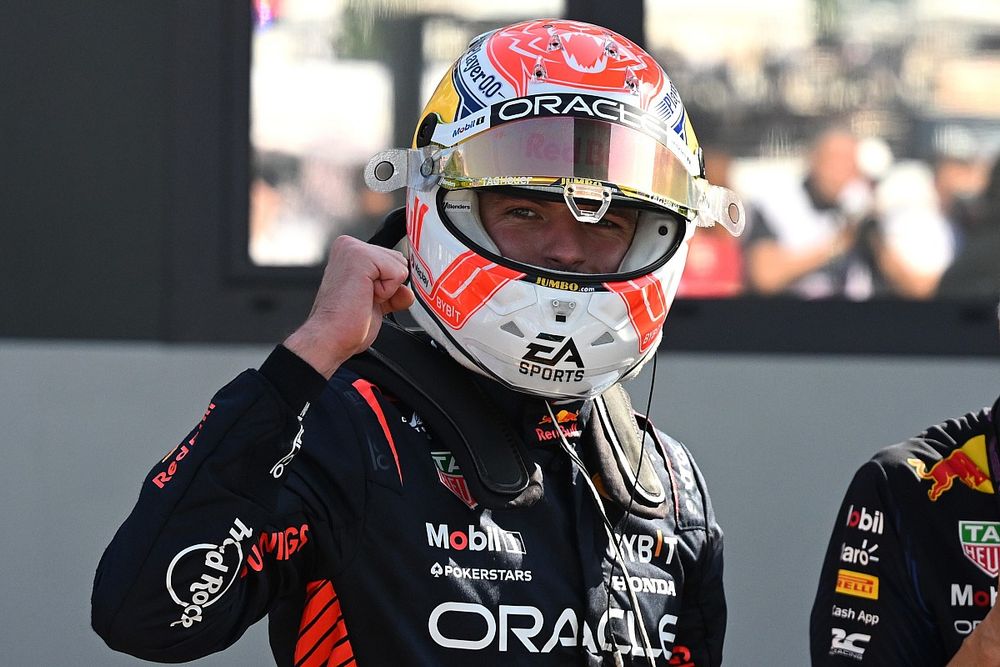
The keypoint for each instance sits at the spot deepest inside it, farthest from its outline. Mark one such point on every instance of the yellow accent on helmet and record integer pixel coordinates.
(444, 102)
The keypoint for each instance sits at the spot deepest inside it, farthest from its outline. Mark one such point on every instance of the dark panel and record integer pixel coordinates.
(947, 328)
(625, 17)
(82, 159)
(215, 295)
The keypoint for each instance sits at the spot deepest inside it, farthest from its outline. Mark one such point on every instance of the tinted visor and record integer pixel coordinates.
(570, 147)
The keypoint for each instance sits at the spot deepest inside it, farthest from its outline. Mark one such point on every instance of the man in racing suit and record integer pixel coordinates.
(336, 503)
(911, 569)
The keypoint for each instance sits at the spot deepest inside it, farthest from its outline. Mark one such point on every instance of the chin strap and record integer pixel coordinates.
(392, 229)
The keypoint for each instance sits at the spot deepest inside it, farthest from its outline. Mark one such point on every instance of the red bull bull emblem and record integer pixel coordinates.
(966, 464)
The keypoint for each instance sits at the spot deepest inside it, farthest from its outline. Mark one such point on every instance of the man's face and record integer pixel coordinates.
(545, 233)
(834, 164)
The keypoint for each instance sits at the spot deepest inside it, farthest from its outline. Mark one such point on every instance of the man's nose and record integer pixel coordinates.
(562, 245)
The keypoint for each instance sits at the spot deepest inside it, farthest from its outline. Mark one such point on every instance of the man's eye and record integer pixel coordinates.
(521, 212)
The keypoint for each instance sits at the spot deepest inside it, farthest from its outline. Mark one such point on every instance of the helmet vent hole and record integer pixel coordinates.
(539, 70)
(426, 130)
(512, 328)
(603, 339)
(663, 231)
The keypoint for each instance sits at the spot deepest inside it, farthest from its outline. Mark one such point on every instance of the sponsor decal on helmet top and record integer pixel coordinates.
(202, 573)
(966, 464)
(862, 519)
(520, 627)
(475, 538)
(857, 584)
(573, 54)
(850, 645)
(590, 106)
(981, 544)
(450, 476)
(180, 452)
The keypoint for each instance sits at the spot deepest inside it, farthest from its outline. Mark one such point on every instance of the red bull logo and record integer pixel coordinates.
(966, 464)
(566, 421)
(563, 417)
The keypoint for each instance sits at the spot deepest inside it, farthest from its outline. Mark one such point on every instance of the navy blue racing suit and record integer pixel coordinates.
(912, 565)
(332, 508)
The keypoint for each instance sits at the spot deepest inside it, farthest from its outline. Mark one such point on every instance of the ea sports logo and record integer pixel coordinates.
(862, 520)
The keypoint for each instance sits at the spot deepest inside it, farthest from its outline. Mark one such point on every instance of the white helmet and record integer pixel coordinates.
(571, 111)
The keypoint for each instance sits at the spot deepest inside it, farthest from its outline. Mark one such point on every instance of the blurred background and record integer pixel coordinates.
(171, 174)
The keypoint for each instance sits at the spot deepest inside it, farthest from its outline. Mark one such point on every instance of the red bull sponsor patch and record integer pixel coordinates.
(981, 544)
(966, 464)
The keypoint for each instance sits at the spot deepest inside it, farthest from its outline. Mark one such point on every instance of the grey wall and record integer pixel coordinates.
(777, 438)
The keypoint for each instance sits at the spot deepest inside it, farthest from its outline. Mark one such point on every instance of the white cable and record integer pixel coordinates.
(608, 528)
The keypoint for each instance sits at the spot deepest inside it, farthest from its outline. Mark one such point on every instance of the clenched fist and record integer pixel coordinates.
(361, 283)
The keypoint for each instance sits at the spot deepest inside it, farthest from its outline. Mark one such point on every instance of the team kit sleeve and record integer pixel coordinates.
(215, 538)
(701, 627)
(867, 608)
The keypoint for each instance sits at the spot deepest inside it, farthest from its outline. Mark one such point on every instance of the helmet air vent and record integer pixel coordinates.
(603, 339)
(512, 328)
(539, 71)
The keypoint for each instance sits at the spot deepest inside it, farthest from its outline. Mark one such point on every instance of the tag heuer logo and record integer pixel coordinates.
(450, 475)
(981, 544)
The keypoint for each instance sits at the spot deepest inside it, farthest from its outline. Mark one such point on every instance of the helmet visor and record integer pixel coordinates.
(536, 150)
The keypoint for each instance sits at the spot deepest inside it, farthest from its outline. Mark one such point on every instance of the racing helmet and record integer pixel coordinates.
(567, 111)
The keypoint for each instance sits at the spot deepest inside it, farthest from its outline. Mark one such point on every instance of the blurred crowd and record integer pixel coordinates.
(854, 223)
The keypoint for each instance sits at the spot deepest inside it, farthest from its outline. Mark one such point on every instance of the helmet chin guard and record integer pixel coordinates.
(567, 110)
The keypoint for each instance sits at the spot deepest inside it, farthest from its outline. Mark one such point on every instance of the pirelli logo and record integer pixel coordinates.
(858, 584)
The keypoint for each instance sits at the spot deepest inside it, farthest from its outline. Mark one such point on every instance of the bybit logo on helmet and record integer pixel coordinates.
(541, 358)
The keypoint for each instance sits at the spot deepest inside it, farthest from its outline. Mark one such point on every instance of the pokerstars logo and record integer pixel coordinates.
(476, 538)
(863, 520)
